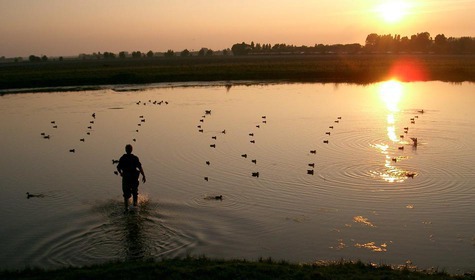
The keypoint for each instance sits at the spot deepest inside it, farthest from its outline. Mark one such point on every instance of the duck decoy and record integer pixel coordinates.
(30, 195)
(199, 126)
(244, 155)
(251, 134)
(82, 140)
(202, 120)
(410, 175)
(327, 133)
(55, 126)
(213, 137)
(206, 179)
(142, 120)
(53, 122)
(414, 141)
(43, 134)
(46, 136)
(331, 127)
(200, 130)
(394, 159)
(94, 115)
(207, 162)
(91, 122)
(406, 128)
(255, 174)
(135, 140)
(264, 121)
(141, 117)
(88, 133)
(401, 148)
(115, 161)
(310, 172)
(213, 145)
(313, 151)
(253, 141)
(401, 136)
(90, 127)
(339, 118)
(311, 164)
(337, 121)
(264, 117)
(224, 131)
(413, 122)
(254, 161)
(325, 141)
(72, 150)
(116, 173)
(208, 112)
(258, 126)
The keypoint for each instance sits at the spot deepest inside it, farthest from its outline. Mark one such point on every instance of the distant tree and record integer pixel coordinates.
(122, 54)
(150, 54)
(185, 52)
(34, 58)
(226, 51)
(136, 54)
(169, 53)
(109, 55)
(209, 52)
(44, 58)
(202, 51)
(60, 58)
(241, 49)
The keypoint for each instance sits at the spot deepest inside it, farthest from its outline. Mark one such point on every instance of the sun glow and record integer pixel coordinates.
(391, 93)
(393, 11)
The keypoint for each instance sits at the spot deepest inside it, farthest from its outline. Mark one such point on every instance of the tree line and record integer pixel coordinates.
(374, 43)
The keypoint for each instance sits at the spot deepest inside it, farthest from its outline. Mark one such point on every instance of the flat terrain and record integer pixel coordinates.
(332, 68)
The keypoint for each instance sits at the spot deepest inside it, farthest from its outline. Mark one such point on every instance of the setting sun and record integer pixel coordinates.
(393, 11)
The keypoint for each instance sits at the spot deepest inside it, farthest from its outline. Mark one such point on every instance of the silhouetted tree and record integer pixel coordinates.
(185, 52)
(122, 54)
(34, 58)
(136, 54)
(241, 49)
(150, 54)
(169, 53)
(209, 52)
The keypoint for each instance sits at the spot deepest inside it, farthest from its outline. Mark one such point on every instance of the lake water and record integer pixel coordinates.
(371, 195)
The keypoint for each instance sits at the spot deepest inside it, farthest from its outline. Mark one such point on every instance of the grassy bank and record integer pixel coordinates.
(203, 268)
(360, 69)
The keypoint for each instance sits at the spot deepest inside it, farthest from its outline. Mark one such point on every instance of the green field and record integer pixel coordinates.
(360, 69)
(204, 268)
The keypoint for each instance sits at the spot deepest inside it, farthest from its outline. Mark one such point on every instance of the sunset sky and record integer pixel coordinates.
(71, 27)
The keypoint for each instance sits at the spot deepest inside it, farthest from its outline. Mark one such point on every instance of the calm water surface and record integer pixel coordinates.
(366, 194)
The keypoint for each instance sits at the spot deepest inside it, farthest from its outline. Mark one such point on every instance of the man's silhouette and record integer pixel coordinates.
(130, 168)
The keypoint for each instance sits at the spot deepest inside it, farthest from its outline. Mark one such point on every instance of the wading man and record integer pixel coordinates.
(130, 168)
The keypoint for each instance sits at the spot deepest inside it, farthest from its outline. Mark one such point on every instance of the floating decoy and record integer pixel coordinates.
(255, 174)
(115, 161)
(142, 120)
(135, 140)
(412, 119)
(199, 126)
(258, 126)
(208, 112)
(401, 136)
(116, 173)
(55, 126)
(201, 130)
(72, 151)
(90, 127)
(410, 175)
(46, 136)
(88, 133)
(264, 117)
(254, 161)
(311, 164)
(166, 102)
(339, 118)
(91, 122)
(43, 134)
(94, 115)
(141, 117)
(331, 127)
(244, 155)
(82, 140)
(416, 117)
(325, 141)
(30, 195)
(136, 130)
(213, 137)
(401, 148)
(327, 133)
(53, 122)
(394, 159)
(251, 134)
(337, 121)
(206, 179)
(213, 145)
(264, 121)
(313, 151)
(406, 128)
(223, 132)
(310, 172)
(202, 120)
(214, 197)
(413, 122)
(414, 141)
(208, 163)
(253, 141)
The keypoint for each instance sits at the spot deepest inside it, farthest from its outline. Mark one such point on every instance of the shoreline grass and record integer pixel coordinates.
(359, 69)
(205, 268)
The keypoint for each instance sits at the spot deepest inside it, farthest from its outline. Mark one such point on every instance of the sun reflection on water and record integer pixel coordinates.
(390, 93)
